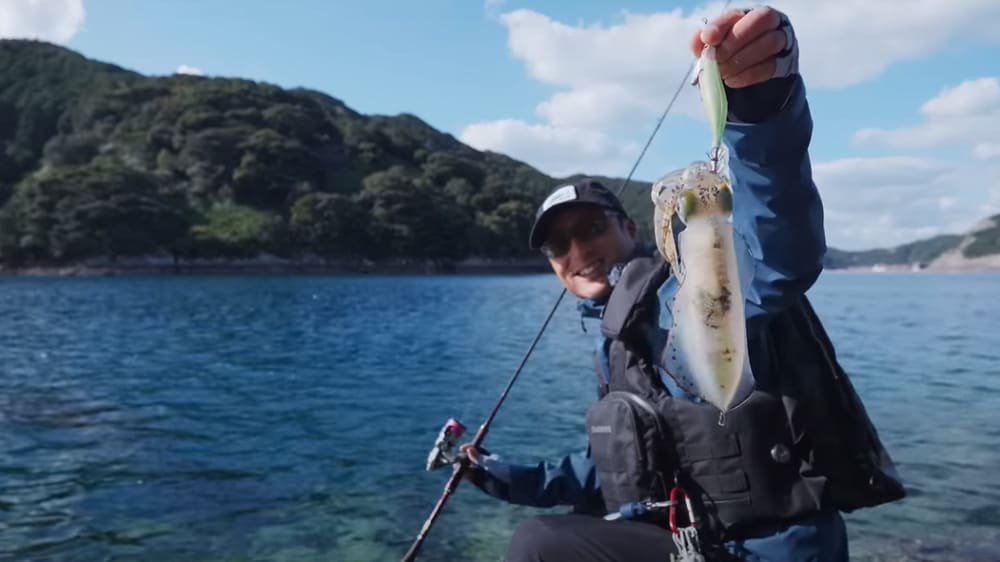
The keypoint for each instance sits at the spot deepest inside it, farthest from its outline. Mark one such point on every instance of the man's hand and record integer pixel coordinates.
(472, 453)
(469, 451)
(751, 46)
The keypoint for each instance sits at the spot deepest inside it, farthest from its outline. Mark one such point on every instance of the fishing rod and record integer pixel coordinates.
(441, 454)
(453, 430)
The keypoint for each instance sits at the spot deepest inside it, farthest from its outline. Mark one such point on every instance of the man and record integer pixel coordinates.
(770, 482)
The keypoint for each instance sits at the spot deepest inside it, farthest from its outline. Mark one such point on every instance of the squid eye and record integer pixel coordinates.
(726, 198)
(688, 205)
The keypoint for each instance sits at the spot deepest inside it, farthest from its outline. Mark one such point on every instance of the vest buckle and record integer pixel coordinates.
(685, 538)
(678, 494)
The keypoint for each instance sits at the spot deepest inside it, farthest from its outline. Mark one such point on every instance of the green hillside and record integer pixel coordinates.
(977, 243)
(97, 161)
(100, 162)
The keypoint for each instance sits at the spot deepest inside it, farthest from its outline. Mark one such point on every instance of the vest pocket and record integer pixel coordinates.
(627, 439)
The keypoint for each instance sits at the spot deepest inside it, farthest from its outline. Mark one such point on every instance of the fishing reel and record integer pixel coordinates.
(443, 452)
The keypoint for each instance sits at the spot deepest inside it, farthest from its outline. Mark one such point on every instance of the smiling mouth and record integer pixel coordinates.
(591, 269)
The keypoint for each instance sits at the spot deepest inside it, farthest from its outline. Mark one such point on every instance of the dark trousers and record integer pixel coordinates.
(554, 538)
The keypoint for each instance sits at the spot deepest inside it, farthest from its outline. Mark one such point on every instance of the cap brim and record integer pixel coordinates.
(539, 230)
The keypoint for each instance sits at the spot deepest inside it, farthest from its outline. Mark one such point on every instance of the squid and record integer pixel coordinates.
(706, 351)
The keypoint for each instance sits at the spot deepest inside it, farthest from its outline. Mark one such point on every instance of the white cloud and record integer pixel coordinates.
(969, 98)
(185, 69)
(966, 114)
(605, 105)
(49, 20)
(563, 149)
(986, 151)
(612, 76)
(611, 73)
(883, 202)
(850, 41)
(842, 42)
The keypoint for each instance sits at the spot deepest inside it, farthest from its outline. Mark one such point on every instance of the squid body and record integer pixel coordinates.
(706, 350)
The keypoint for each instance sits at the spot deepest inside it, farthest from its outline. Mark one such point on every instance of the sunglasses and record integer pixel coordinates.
(558, 243)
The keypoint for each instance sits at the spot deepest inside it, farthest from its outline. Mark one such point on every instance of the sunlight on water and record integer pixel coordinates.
(290, 418)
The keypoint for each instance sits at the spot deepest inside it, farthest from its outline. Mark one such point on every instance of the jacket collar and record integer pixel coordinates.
(590, 308)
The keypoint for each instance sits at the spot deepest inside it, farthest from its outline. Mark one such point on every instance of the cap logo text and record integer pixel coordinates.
(564, 193)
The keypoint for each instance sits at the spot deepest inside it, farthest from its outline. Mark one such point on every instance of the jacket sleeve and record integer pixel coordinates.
(777, 207)
(573, 481)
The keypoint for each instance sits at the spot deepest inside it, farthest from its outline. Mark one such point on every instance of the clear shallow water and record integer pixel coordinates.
(289, 418)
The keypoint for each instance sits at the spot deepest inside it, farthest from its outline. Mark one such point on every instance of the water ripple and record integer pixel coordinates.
(290, 418)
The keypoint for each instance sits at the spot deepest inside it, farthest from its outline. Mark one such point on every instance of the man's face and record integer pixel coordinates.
(582, 245)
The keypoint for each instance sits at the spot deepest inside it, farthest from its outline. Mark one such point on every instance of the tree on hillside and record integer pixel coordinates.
(330, 225)
(409, 219)
(99, 209)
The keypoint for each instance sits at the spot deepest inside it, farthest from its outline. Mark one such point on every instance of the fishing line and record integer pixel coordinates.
(463, 462)
(663, 116)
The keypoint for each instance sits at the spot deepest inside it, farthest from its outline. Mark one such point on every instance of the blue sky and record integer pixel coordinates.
(905, 94)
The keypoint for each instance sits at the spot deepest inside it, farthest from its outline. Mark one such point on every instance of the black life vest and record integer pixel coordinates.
(801, 443)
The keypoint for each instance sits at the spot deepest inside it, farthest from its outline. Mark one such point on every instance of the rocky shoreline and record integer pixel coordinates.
(951, 262)
(270, 265)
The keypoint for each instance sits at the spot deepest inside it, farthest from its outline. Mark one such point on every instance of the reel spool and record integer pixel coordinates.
(443, 452)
